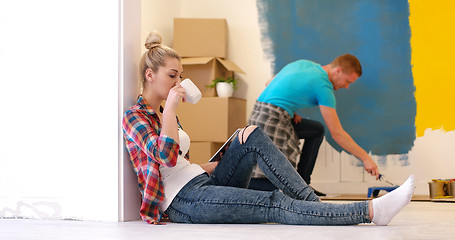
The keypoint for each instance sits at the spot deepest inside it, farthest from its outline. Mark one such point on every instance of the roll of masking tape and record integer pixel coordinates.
(193, 95)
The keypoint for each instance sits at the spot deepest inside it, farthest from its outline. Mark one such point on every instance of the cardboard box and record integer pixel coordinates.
(201, 37)
(201, 152)
(203, 70)
(212, 119)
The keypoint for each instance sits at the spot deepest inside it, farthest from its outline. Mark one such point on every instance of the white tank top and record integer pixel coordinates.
(175, 178)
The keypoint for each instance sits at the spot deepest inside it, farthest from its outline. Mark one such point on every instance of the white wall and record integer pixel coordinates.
(159, 16)
(59, 102)
(129, 87)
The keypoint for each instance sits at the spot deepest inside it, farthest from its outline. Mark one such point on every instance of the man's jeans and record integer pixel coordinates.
(313, 133)
(223, 198)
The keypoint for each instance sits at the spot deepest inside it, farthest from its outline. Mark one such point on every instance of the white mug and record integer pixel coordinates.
(193, 95)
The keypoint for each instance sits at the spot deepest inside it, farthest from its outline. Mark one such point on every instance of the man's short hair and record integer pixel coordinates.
(349, 63)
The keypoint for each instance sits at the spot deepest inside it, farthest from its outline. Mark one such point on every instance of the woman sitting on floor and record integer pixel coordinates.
(217, 192)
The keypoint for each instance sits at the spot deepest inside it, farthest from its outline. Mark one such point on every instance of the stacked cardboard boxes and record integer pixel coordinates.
(203, 46)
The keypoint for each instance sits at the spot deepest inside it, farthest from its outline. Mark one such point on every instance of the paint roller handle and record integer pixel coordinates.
(382, 178)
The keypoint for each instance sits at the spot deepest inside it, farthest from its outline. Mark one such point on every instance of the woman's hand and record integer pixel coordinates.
(209, 167)
(169, 121)
(175, 94)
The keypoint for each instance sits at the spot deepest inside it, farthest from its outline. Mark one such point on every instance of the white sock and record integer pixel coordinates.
(387, 206)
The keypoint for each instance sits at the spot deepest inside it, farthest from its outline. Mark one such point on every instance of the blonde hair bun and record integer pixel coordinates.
(153, 40)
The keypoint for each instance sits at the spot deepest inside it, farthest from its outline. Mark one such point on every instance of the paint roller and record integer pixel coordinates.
(375, 190)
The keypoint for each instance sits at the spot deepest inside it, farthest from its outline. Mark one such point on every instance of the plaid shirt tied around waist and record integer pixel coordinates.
(277, 124)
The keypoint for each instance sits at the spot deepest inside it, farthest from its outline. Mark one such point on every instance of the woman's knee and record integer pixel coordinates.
(245, 133)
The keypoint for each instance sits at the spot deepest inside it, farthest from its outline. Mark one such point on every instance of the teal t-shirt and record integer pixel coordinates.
(299, 85)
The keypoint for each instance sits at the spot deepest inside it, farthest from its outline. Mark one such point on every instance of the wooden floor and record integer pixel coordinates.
(359, 197)
(418, 220)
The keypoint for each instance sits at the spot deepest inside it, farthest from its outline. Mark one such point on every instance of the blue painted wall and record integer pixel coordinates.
(379, 110)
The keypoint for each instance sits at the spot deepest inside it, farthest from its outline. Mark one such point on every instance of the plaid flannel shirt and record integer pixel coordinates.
(148, 150)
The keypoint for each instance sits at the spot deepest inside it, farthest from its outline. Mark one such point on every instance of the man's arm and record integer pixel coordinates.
(345, 140)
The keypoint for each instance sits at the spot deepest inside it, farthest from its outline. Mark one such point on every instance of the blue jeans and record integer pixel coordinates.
(223, 197)
(313, 133)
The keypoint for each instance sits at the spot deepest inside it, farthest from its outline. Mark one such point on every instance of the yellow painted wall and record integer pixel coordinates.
(433, 48)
